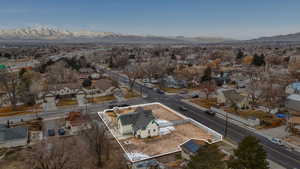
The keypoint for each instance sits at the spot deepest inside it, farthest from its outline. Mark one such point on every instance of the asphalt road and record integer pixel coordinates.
(279, 154)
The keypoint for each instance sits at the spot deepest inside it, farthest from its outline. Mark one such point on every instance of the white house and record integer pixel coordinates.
(140, 123)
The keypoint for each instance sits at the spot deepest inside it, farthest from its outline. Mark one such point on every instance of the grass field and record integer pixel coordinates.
(101, 99)
(204, 102)
(19, 110)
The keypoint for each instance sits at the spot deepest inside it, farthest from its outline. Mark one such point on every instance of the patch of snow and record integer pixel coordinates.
(137, 156)
(163, 123)
(159, 121)
(166, 130)
(295, 97)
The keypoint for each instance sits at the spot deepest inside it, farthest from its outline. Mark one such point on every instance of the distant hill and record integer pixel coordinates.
(40, 34)
(295, 37)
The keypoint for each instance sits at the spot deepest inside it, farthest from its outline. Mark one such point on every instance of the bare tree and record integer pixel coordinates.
(133, 72)
(273, 93)
(58, 73)
(10, 81)
(208, 87)
(60, 153)
(255, 91)
(98, 143)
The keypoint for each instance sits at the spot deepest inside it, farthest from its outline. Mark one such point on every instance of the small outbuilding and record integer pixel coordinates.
(190, 148)
(13, 137)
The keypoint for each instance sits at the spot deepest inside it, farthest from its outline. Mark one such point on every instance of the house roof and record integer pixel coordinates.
(296, 86)
(138, 119)
(148, 163)
(233, 95)
(73, 86)
(103, 84)
(76, 119)
(2, 66)
(15, 133)
(295, 97)
(191, 146)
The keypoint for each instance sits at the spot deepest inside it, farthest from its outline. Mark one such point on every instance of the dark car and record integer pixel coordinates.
(112, 106)
(209, 112)
(182, 108)
(195, 96)
(61, 132)
(51, 132)
(160, 91)
(123, 105)
(118, 105)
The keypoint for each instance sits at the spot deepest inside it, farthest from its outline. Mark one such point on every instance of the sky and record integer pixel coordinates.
(239, 19)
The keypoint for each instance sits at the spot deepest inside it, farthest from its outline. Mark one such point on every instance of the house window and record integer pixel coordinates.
(154, 130)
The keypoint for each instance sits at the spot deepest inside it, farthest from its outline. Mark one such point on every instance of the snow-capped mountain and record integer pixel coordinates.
(56, 35)
(49, 34)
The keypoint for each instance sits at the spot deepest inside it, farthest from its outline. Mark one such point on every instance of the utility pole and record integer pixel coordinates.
(226, 124)
(86, 103)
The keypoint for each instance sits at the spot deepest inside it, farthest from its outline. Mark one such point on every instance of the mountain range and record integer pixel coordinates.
(53, 34)
(295, 37)
(47, 34)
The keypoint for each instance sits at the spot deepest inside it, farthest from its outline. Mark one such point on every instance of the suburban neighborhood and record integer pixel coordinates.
(170, 85)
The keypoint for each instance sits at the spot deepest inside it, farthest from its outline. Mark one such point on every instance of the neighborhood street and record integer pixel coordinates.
(279, 154)
(276, 153)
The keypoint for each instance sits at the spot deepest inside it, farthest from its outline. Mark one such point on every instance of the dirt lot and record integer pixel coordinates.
(166, 143)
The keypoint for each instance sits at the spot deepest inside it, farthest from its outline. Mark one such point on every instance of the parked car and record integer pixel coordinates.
(183, 92)
(159, 91)
(117, 105)
(182, 108)
(195, 96)
(123, 105)
(112, 106)
(51, 132)
(276, 141)
(209, 112)
(61, 132)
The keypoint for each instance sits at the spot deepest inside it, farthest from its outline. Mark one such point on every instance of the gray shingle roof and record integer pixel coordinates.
(15, 133)
(138, 119)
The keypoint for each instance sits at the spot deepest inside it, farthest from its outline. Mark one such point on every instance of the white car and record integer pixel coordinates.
(276, 141)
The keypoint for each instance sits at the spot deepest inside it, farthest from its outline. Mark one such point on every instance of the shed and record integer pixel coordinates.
(190, 148)
(13, 137)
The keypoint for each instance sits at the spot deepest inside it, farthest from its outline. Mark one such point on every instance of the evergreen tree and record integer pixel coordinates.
(240, 54)
(258, 60)
(249, 155)
(207, 75)
(87, 83)
(208, 157)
